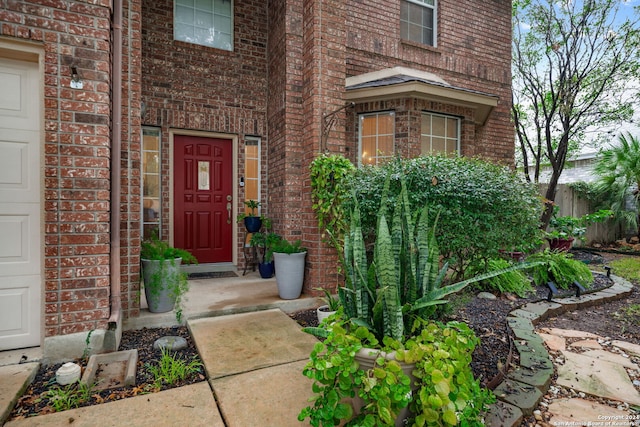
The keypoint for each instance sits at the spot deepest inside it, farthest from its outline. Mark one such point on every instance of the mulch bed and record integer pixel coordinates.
(485, 317)
(35, 402)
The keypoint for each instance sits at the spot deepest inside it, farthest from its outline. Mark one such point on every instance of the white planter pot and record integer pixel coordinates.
(161, 298)
(289, 274)
(323, 312)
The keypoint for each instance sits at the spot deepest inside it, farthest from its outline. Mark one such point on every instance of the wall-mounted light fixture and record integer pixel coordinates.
(76, 83)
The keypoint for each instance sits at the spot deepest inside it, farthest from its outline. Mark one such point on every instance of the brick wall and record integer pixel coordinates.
(76, 156)
(198, 88)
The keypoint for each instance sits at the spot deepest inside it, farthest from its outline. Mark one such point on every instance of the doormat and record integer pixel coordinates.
(213, 275)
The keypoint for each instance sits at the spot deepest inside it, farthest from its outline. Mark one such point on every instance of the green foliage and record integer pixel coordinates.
(170, 369)
(87, 345)
(69, 397)
(264, 241)
(329, 190)
(628, 268)
(565, 227)
(448, 393)
(559, 267)
(404, 279)
(481, 207)
(283, 246)
(515, 282)
(619, 175)
(168, 278)
(332, 302)
(444, 391)
(156, 249)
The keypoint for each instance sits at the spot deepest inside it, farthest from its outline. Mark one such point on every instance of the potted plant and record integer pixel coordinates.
(263, 242)
(330, 306)
(565, 229)
(252, 221)
(289, 258)
(380, 335)
(164, 282)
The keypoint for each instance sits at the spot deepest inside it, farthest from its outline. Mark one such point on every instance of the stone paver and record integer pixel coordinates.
(503, 414)
(597, 377)
(524, 396)
(191, 405)
(244, 342)
(14, 379)
(581, 412)
(590, 343)
(269, 397)
(627, 346)
(568, 333)
(554, 342)
(611, 357)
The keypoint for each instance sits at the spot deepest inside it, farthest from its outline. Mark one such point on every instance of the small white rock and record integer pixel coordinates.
(537, 415)
(68, 373)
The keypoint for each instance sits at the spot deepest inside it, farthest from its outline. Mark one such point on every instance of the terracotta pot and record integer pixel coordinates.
(560, 244)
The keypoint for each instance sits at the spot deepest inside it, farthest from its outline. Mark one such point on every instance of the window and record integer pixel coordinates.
(376, 137)
(150, 182)
(439, 134)
(251, 170)
(418, 21)
(204, 22)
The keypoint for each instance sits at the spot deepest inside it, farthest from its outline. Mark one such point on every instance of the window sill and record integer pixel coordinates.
(412, 44)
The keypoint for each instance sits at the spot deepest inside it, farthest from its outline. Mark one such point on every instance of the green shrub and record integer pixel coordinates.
(515, 282)
(559, 267)
(482, 207)
(170, 369)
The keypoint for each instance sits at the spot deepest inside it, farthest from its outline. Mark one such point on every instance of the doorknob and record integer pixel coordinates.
(228, 211)
(229, 198)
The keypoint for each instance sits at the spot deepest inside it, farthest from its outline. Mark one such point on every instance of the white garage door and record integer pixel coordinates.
(20, 230)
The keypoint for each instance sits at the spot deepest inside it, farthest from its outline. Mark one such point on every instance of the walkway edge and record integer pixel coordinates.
(536, 370)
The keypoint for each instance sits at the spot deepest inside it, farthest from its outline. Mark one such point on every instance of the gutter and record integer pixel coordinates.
(114, 332)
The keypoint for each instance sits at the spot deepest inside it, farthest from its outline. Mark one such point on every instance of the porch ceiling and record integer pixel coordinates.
(400, 82)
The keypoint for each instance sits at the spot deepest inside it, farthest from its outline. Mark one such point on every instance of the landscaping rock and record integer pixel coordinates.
(170, 343)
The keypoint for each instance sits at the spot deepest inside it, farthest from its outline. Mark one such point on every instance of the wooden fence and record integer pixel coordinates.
(571, 204)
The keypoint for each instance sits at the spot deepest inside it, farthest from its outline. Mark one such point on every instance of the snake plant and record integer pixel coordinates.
(404, 280)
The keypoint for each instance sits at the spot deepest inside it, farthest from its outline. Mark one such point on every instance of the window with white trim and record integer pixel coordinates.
(252, 147)
(150, 182)
(204, 22)
(376, 136)
(439, 134)
(418, 21)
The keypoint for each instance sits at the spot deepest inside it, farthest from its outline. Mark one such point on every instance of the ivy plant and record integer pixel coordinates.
(330, 175)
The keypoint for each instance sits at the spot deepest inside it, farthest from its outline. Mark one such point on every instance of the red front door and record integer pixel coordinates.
(203, 198)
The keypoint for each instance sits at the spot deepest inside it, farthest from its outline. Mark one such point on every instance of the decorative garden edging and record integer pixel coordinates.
(521, 391)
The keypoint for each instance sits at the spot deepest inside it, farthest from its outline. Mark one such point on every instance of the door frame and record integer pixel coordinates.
(234, 174)
(34, 52)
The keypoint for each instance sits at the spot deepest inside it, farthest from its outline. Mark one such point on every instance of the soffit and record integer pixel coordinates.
(399, 82)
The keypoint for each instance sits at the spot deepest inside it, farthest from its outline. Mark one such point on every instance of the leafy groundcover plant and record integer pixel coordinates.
(385, 304)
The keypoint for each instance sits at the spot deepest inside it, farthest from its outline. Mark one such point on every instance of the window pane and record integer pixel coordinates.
(204, 22)
(368, 150)
(438, 145)
(452, 128)
(438, 126)
(385, 124)
(418, 21)
(385, 146)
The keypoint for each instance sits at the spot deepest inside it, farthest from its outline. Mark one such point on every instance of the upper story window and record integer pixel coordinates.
(439, 134)
(204, 22)
(376, 137)
(418, 21)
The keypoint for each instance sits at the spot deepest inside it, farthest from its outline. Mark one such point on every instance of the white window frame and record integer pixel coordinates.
(447, 139)
(251, 140)
(393, 135)
(423, 3)
(193, 5)
(153, 131)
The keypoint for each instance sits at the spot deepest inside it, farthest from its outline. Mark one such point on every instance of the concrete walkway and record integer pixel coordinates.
(253, 361)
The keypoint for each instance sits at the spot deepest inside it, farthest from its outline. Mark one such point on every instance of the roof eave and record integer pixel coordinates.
(480, 103)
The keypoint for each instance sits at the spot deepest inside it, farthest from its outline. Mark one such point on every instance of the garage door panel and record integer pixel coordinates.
(19, 166)
(18, 327)
(19, 239)
(18, 103)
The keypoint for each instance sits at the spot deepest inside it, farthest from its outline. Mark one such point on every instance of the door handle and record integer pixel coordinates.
(228, 212)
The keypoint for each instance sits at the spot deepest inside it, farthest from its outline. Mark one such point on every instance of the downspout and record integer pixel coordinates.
(112, 338)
